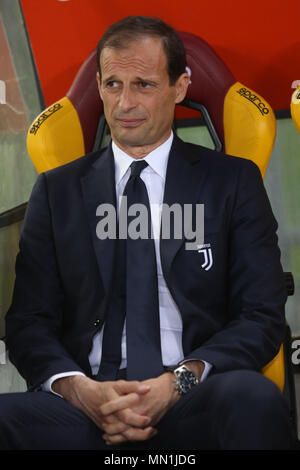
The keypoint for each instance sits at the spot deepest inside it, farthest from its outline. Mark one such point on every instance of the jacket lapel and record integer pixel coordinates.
(182, 186)
(98, 187)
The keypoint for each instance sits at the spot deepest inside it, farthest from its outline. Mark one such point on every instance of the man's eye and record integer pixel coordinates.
(112, 84)
(144, 85)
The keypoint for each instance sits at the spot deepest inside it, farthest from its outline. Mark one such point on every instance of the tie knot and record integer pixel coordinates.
(137, 167)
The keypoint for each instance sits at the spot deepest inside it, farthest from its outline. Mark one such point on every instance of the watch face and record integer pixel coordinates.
(186, 379)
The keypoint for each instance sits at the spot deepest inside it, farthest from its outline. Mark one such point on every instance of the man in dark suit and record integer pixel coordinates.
(181, 369)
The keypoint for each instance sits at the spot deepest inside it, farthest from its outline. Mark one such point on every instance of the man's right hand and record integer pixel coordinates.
(89, 396)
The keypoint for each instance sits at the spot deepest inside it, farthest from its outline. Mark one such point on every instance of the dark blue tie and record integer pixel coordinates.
(136, 293)
(142, 306)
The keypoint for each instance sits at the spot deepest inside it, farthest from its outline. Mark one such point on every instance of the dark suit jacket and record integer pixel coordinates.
(233, 313)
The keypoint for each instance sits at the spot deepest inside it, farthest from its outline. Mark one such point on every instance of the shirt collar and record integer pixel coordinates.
(157, 159)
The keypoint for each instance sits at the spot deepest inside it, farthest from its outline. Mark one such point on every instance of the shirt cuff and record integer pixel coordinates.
(207, 367)
(47, 385)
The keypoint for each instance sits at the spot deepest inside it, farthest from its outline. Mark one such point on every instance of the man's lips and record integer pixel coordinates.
(130, 122)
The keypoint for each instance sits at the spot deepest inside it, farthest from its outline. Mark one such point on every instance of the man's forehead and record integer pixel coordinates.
(141, 54)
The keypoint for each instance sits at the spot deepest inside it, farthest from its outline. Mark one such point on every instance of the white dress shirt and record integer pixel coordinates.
(154, 176)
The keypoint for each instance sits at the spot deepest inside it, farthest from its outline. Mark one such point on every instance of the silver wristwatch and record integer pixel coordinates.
(184, 379)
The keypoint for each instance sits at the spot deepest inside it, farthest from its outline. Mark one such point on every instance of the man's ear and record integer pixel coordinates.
(181, 87)
(99, 84)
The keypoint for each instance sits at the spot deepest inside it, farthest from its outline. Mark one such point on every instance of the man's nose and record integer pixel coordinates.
(127, 99)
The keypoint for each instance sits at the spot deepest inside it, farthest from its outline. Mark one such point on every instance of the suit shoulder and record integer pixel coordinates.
(75, 167)
(219, 161)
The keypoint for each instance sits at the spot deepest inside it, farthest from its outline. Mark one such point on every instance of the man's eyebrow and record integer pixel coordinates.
(148, 80)
(113, 77)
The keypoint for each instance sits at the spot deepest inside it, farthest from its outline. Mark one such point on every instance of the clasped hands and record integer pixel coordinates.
(123, 410)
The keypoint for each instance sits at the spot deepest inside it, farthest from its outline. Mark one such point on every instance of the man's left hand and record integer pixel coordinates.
(159, 399)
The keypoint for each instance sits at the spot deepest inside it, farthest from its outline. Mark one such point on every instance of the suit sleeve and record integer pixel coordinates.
(34, 320)
(255, 325)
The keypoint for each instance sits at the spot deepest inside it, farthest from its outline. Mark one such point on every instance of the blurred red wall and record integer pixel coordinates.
(259, 41)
